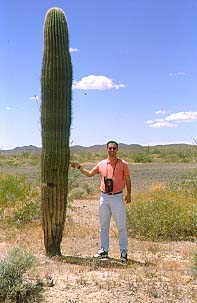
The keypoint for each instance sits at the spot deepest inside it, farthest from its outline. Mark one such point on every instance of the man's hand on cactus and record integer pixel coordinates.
(74, 165)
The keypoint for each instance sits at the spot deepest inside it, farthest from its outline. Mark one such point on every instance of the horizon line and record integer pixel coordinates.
(88, 146)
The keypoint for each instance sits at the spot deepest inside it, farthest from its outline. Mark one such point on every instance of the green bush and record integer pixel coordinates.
(19, 200)
(166, 214)
(26, 212)
(161, 215)
(17, 284)
(11, 190)
(142, 158)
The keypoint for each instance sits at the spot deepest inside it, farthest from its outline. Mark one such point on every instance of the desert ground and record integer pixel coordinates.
(157, 272)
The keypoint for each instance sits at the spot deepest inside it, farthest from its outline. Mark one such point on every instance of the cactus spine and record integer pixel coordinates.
(56, 91)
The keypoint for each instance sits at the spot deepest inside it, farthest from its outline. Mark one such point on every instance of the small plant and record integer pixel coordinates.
(16, 283)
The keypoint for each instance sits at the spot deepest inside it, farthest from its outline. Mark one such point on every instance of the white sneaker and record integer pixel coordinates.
(101, 254)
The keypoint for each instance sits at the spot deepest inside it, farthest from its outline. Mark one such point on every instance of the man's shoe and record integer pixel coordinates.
(123, 256)
(101, 254)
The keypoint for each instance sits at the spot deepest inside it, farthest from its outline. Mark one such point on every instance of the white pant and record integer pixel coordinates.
(113, 205)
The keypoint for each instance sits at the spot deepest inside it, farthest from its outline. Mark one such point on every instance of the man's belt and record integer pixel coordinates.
(119, 192)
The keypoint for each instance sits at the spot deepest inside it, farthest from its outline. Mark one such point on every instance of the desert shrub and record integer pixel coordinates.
(89, 187)
(17, 283)
(156, 151)
(25, 212)
(12, 189)
(81, 192)
(76, 193)
(74, 178)
(19, 200)
(186, 186)
(25, 158)
(142, 158)
(26, 154)
(79, 187)
(175, 156)
(84, 156)
(162, 215)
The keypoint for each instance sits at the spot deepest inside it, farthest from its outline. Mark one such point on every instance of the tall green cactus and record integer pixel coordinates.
(56, 89)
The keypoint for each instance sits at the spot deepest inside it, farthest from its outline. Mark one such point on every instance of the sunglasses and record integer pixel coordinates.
(112, 148)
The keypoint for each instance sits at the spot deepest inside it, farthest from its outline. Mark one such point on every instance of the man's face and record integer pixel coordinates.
(112, 149)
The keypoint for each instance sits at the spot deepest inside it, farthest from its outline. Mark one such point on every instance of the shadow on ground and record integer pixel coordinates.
(94, 262)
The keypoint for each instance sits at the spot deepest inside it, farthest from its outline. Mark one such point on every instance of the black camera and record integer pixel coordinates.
(108, 185)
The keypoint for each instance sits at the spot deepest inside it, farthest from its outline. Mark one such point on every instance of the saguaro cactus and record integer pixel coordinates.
(56, 87)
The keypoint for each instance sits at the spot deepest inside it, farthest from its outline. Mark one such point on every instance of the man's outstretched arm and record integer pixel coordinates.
(83, 170)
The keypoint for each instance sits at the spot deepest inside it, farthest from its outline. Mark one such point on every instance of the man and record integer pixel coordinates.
(114, 176)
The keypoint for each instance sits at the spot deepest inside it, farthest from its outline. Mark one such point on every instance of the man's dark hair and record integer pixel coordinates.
(112, 142)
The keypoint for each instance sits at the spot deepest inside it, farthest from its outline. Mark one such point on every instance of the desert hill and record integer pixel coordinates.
(98, 148)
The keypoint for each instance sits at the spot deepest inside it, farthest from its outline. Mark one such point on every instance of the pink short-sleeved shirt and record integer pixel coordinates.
(117, 170)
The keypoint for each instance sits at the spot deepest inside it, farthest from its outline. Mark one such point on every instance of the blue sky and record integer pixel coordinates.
(134, 70)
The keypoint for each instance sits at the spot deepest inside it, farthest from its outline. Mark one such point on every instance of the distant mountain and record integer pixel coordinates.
(98, 148)
(177, 147)
(21, 149)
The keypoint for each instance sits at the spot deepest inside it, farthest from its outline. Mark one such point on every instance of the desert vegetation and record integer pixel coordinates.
(165, 213)
(143, 154)
(132, 154)
(162, 213)
(18, 281)
(162, 234)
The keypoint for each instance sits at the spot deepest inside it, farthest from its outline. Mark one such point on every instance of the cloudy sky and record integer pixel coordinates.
(134, 71)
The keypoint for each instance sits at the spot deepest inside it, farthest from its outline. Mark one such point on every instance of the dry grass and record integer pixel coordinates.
(159, 272)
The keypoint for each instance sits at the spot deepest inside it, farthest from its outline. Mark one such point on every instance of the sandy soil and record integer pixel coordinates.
(155, 273)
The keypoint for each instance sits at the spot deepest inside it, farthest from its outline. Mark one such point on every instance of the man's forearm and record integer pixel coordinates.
(85, 171)
(128, 184)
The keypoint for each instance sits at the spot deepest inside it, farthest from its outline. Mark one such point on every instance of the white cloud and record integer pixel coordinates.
(96, 82)
(173, 120)
(149, 122)
(177, 74)
(160, 112)
(159, 120)
(73, 50)
(161, 124)
(8, 108)
(182, 117)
